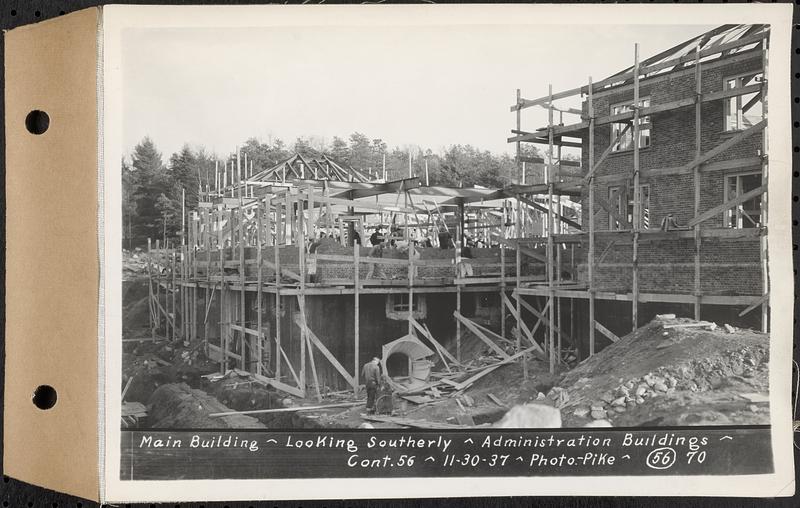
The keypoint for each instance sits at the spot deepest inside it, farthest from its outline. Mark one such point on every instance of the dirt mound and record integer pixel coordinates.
(663, 374)
(179, 406)
(151, 365)
(244, 395)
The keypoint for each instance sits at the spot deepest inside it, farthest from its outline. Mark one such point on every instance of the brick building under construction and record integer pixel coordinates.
(666, 212)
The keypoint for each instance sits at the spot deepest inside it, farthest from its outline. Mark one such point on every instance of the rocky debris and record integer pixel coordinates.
(706, 362)
(581, 412)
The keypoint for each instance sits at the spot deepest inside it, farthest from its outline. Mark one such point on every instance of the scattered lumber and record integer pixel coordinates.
(466, 384)
(289, 409)
(417, 399)
(497, 401)
(696, 324)
(408, 422)
(135, 409)
(125, 390)
(606, 332)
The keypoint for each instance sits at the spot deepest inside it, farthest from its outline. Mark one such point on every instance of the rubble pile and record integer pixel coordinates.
(667, 370)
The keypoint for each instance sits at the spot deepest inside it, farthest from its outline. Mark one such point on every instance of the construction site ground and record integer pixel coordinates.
(668, 372)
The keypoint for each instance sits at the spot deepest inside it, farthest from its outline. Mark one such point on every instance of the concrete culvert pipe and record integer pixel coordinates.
(405, 363)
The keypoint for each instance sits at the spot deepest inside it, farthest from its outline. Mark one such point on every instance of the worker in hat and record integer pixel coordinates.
(372, 379)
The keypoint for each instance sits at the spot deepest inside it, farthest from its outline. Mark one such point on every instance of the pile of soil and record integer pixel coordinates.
(243, 395)
(151, 365)
(179, 406)
(658, 376)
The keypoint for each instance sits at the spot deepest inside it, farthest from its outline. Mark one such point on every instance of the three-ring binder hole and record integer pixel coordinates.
(37, 122)
(44, 397)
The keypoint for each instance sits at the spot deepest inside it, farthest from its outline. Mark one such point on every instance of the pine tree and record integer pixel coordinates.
(149, 181)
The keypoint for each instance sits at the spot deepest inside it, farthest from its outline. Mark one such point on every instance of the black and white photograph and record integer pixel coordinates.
(354, 238)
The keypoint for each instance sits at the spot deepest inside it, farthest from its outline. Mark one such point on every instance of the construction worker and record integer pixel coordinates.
(371, 372)
(376, 252)
(376, 238)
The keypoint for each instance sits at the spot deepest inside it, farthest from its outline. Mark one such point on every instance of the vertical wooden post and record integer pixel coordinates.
(174, 296)
(356, 316)
(591, 219)
(518, 227)
(290, 218)
(550, 227)
(259, 286)
(764, 181)
(503, 240)
(243, 338)
(150, 291)
(637, 212)
(458, 323)
(223, 301)
(518, 224)
(299, 237)
(696, 174)
(410, 275)
(558, 280)
(195, 231)
(277, 261)
(207, 296)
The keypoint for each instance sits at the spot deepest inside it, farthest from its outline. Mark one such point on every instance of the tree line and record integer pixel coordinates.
(154, 190)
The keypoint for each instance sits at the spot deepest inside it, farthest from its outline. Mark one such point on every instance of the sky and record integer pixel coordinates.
(430, 86)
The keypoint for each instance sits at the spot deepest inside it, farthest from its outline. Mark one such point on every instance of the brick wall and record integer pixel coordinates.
(672, 145)
(726, 267)
(329, 270)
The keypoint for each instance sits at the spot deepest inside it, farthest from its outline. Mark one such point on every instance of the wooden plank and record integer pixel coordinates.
(623, 223)
(283, 271)
(287, 409)
(605, 154)
(125, 390)
(727, 205)
(755, 305)
(494, 399)
(527, 103)
(541, 314)
(755, 129)
(474, 329)
(520, 323)
(541, 208)
(492, 280)
(313, 369)
(228, 354)
(606, 251)
(605, 331)
(292, 390)
(444, 349)
(466, 384)
(732, 92)
(288, 364)
(699, 324)
(248, 331)
(324, 350)
(408, 422)
(440, 349)
(515, 244)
